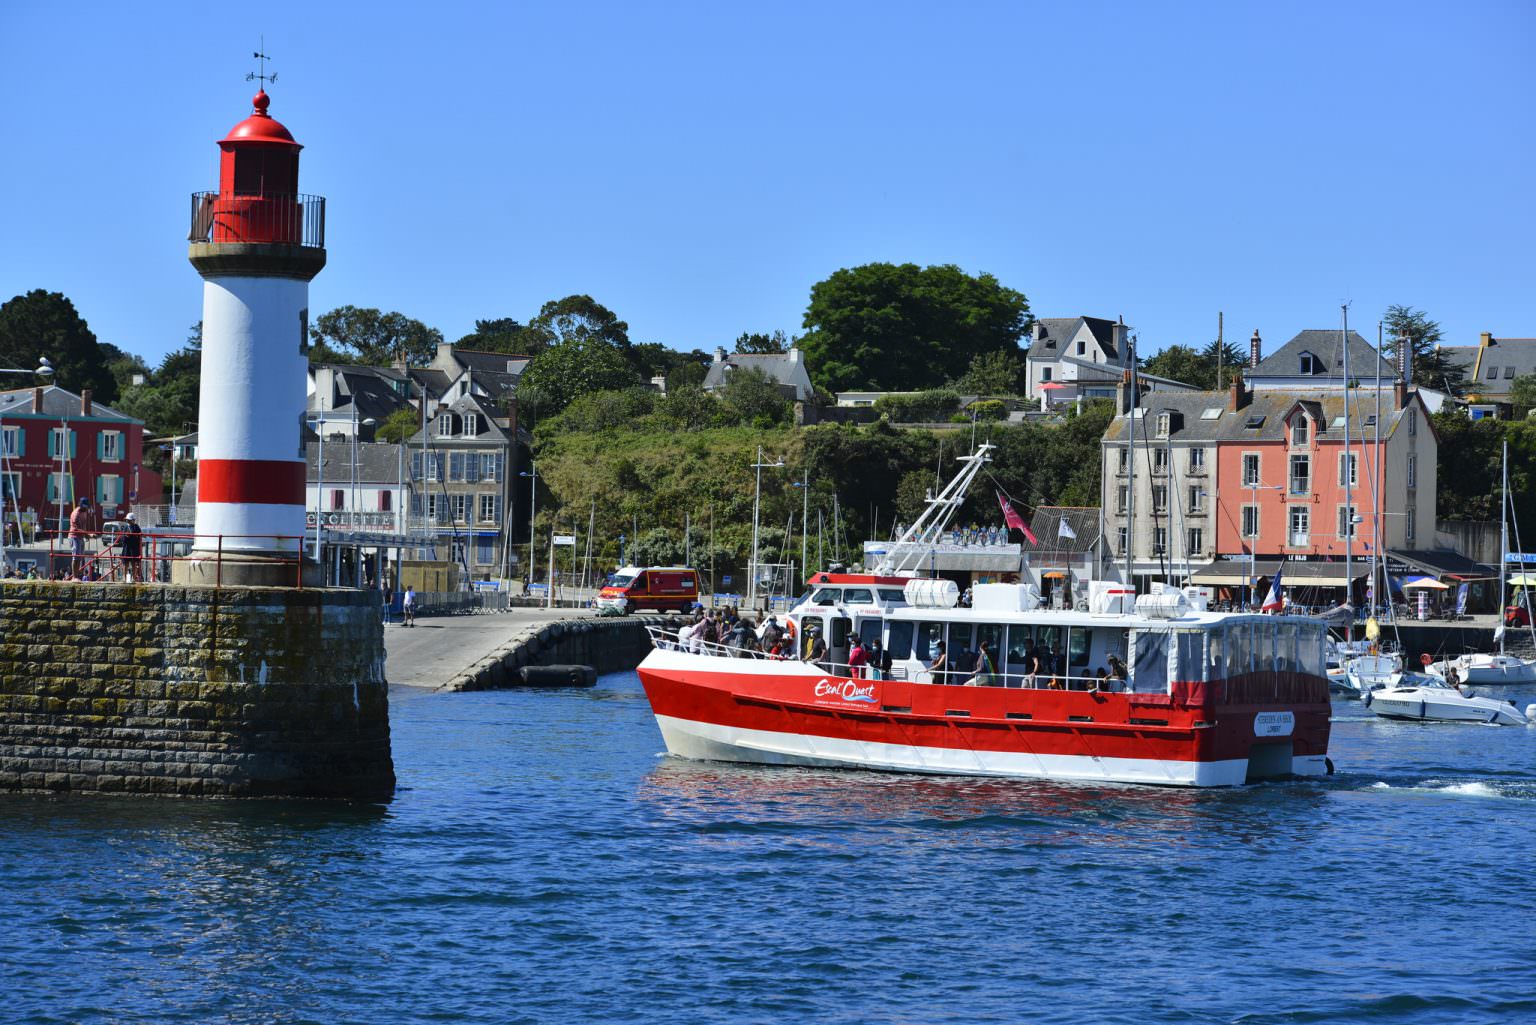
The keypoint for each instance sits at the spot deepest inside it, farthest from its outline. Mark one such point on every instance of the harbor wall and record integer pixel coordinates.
(609, 645)
(195, 692)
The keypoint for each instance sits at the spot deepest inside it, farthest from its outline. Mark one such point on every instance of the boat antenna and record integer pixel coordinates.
(1349, 502)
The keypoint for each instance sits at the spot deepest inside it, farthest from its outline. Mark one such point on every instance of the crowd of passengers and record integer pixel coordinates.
(963, 536)
(867, 658)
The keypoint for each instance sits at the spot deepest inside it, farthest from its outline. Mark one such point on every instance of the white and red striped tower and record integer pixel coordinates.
(256, 242)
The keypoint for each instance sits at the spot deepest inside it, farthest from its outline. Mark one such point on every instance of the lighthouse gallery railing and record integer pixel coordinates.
(294, 219)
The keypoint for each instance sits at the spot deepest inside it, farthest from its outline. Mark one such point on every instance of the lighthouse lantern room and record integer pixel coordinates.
(257, 242)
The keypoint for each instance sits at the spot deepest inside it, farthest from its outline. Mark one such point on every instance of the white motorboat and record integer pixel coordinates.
(1365, 673)
(1486, 670)
(1422, 697)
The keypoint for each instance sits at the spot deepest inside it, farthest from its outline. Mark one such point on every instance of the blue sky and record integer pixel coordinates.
(697, 167)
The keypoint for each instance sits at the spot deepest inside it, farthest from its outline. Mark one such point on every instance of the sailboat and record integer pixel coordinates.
(1498, 668)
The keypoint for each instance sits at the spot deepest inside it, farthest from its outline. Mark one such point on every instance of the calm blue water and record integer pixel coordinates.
(542, 864)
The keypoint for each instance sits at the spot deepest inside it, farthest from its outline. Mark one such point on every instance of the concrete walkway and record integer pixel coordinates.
(439, 648)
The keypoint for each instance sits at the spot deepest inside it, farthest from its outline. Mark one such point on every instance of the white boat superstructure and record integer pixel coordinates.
(1429, 698)
(1485, 670)
(1365, 673)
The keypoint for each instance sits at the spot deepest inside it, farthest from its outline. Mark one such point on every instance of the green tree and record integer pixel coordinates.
(926, 407)
(603, 411)
(1224, 360)
(1000, 372)
(41, 325)
(652, 359)
(690, 409)
(398, 426)
(369, 336)
(757, 343)
(504, 334)
(569, 369)
(1182, 363)
(890, 327)
(580, 318)
(656, 547)
(756, 398)
(1431, 367)
(1467, 478)
(1522, 394)
(689, 375)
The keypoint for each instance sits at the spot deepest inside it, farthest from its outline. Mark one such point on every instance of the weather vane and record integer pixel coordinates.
(261, 75)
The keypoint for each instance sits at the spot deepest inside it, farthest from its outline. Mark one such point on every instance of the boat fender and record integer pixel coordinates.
(1329, 763)
(1365, 699)
(1421, 709)
(1530, 713)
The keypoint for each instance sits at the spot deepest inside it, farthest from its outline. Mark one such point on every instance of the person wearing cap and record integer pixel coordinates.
(79, 529)
(815, 647)
(132, 547)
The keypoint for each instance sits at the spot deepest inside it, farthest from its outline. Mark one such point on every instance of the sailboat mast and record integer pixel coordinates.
(1349, 501)
(1133, 400)
(1504, 539)
(1377, 548)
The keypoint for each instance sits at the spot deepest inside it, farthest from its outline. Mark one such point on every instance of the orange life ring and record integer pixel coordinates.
(1425, 659)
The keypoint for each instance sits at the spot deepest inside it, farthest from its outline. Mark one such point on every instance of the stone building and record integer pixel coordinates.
(461, 473)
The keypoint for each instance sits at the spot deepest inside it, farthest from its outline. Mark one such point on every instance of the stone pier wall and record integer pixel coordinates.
(234, 692)
(608, 645)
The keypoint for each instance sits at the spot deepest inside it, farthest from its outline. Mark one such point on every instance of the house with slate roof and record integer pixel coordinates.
(461, 468)
(1492, 366)
(787, 369)
(1224, 476)
(1314, 361)
(1085, 340)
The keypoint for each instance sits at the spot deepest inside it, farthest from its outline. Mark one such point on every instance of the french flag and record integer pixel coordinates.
(1276, 601)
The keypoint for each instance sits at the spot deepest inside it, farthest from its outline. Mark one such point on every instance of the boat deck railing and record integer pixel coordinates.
(669, 640)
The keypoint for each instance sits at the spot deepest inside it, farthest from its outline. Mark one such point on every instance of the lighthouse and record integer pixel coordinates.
(257, 242)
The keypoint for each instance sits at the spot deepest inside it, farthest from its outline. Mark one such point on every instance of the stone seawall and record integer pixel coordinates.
(608, 645)
(234, 692)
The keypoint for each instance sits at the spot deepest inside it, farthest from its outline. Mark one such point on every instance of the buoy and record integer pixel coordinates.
(1530, 713)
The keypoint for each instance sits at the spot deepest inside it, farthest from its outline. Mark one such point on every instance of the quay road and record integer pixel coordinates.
(439, 648)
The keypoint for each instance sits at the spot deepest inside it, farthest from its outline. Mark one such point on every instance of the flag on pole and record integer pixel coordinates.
(1461, 599)
(1276, 601)
(1013, 520)
(1063, 529)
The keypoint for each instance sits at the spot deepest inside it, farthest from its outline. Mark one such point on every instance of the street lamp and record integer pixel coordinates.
(44, 369)
(532, 473)
(757, 491)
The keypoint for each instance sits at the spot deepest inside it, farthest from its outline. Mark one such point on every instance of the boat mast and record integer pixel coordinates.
(1130, 459)
(1504, 541)
(1349, 506)
(1377, 548)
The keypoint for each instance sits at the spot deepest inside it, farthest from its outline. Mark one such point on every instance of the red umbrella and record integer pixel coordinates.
(1051, 385)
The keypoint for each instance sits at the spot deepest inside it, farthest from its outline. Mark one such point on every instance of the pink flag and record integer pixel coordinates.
(1012, 519)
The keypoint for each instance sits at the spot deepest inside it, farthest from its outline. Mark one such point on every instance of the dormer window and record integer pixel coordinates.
(471, 424)
(1309, 364)
(1299, 431)
(1164, 423)
(445, 425)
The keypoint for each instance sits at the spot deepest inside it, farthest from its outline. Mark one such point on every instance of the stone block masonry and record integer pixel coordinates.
(195, 692)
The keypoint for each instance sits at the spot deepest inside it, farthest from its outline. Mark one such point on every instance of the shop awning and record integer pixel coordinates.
(1233, 573)
(1323, 574)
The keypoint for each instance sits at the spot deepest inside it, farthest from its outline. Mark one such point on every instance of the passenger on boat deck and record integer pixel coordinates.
(815, 648)
(858, 658)
(1032, 667)
(692, 636)
(1117, 669)
(981, 676)
(771, 632)
(940, 662)
(1103, 679)
(879, 659)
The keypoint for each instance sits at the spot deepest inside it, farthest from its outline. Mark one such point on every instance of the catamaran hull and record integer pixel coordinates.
(723, 709)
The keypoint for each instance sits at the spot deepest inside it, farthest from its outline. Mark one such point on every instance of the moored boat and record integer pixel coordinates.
(1423, 697)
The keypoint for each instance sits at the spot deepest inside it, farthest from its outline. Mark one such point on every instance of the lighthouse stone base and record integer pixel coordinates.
(235, 570)
(193, 692)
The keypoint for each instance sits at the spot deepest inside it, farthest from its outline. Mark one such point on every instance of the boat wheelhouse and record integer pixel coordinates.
(1197, 698)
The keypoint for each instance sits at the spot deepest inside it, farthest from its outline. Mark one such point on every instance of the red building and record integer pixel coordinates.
(56, 447)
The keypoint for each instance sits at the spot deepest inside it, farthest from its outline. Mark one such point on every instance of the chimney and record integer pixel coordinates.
(1400, 393)
(1123, 393)
(1239, 395)
(37, 399)
(85, 402)
(1404, 359)
(1255, 349)
(794, 354)
(1117, 335)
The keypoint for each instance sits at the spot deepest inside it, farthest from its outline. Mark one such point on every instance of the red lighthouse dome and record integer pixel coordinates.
(258, 197)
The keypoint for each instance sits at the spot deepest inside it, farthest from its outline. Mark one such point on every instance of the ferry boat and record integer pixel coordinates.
(1134, 689)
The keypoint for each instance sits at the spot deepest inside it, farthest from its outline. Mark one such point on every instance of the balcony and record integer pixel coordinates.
(226, 218)
(1300, 539)
(1301, 486)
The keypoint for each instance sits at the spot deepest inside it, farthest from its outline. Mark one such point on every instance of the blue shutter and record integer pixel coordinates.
(53, 444)
(101, 445)
(72, 444)
(21, 441)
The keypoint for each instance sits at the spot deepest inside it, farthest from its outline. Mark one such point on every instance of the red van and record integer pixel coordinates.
(650, 589)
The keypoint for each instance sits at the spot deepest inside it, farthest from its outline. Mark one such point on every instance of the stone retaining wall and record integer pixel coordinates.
(234, 692)
(609, 645)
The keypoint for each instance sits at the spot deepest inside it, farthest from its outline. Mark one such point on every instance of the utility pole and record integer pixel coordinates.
(1220, 348)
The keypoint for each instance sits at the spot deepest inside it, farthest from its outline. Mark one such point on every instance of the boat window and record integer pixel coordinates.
(900, 643)
(926, 644)
(1264, 645)
(1191, 656)
(858, 596)
(959, 638)
(1020, 640)
(992, 635)
(827, 596)
(1285, 647)
(1310, 657)
(1149, 674)
(1048, 640)
(1216, 653)
(869, 629)
(839, 635)
(1078, 642)
(1239, 650)
(892, 594)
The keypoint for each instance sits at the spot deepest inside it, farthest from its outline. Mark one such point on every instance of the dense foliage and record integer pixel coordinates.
(45, 324)
(924, 407)
(900, 327)
(1199, 367)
